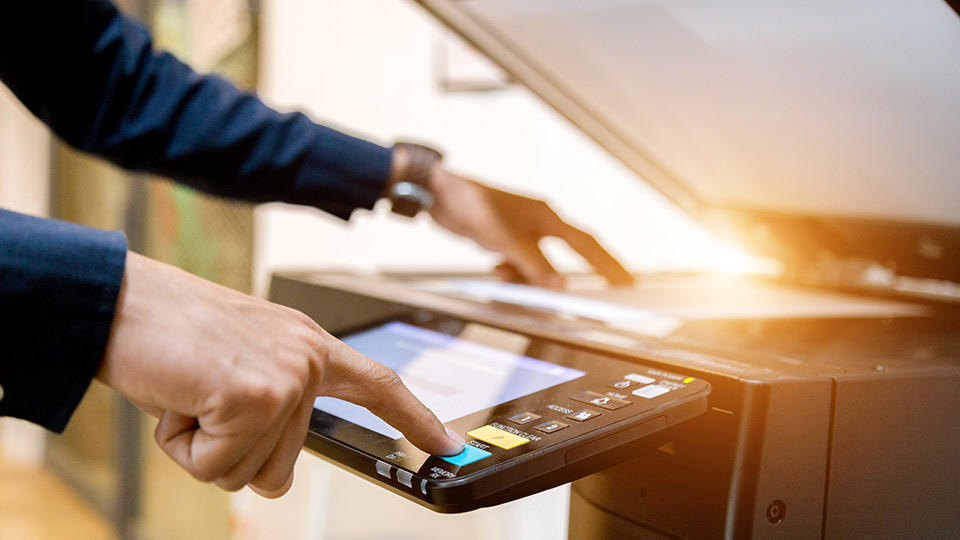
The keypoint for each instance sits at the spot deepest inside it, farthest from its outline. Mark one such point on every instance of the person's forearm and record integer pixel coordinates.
(58, 288)
(92, 75)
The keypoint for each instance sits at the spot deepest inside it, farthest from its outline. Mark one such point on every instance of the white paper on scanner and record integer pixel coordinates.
(638, 320)
(671, 307)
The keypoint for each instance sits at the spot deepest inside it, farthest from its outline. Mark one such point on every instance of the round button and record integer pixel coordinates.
(776, 512)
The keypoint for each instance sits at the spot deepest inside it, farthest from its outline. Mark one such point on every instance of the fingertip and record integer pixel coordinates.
(273, 493)
(229, 485)
(621, 279)
(553, 281)
(457, 440)
(445, 443)
(508, 273)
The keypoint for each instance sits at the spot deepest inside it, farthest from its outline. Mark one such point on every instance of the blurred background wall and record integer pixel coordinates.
(24, 187)
(24, 164)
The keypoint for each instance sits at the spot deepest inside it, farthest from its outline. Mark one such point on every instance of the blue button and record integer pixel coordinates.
(468, 456)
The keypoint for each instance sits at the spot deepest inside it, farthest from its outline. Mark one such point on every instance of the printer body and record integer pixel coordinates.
(821, 135)
(825, 426)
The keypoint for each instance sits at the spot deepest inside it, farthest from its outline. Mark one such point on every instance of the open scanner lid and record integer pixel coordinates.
(808, 131)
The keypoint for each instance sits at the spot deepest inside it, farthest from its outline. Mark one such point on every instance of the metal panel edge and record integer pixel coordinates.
(524, 71)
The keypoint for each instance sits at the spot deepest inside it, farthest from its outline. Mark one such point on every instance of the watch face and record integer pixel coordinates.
(409, 198)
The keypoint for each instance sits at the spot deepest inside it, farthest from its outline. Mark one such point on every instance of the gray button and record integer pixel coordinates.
(650, 392)
(524, 418)
(383, 468)
(636, 377)
(550, 427)
(405, 477)
(600, 400)
(584, 415)
(1, 392)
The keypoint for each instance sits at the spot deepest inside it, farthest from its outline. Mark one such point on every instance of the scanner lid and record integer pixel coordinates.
(807, 131)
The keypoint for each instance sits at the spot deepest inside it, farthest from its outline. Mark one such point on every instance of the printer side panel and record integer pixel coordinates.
(895, 460)
(715, 476)
(792, 472)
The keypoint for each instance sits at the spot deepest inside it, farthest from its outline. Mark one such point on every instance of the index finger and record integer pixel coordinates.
(353, 377)
(599, 258)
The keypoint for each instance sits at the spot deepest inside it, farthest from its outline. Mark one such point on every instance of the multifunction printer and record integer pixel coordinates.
(822, 135)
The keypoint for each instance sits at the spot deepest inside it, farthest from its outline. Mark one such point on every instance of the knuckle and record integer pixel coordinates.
(300, 370)
(203, 474)
(586, 237)
(298, 362)
(578, 238)
(544, 208)
(271, 482)
(161, 439)
(384, 383)
(313, 351)
(230, 484)
(303, 318)
(287, 393)
(292, 391)
(224, 399)
(266, 394)
(299, 315)
(386, 378)
(317, 343)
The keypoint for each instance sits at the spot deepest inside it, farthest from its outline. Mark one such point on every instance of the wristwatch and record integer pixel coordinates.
(410, 191)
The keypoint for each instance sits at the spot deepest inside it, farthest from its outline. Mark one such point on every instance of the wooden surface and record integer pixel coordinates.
(36, 505)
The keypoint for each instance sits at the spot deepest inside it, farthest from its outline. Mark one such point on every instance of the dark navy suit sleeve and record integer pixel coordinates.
(93, 76)
(59, 284)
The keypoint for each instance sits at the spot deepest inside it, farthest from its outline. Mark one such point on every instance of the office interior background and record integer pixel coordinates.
(382, 69)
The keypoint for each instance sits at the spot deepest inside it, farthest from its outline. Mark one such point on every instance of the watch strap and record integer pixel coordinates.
(411, 190)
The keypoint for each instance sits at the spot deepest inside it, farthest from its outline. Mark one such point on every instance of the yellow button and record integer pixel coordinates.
(498, 437)
(688, 380)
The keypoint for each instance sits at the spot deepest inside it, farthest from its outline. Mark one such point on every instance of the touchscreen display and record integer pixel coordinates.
(451, 376)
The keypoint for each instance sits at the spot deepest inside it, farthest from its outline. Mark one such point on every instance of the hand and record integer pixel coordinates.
(233, 378)
(513, 225)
